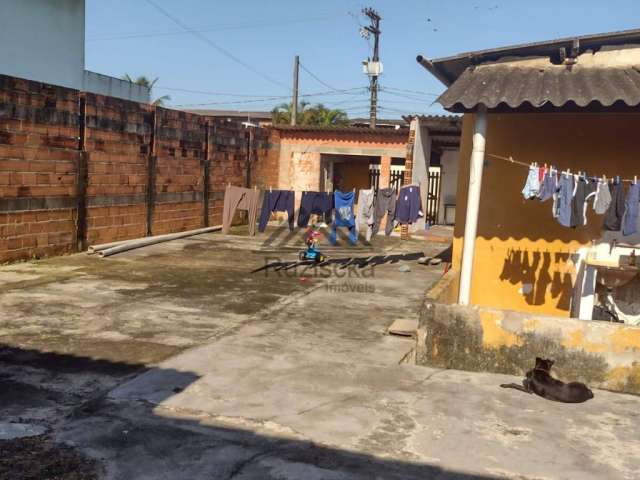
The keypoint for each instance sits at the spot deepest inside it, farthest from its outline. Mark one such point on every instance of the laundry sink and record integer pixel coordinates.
(612, 277)
(613, 264)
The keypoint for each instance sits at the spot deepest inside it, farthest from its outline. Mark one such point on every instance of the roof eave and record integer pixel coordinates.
(433, 70)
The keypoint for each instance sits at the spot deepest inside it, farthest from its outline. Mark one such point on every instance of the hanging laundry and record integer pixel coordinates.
(613, 216)
(277, 201)
(564, 201)
(582, 189)
(366, 217)
(630, 222)
(408, 205)
(592, 189)
(344, 216)
(603, 198)
(316, 203)
(239, 198)
(532, 184)
(385, 204)
(549, 185)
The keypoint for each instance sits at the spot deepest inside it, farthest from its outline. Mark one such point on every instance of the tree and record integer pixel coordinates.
(310, 115)
(145, 82)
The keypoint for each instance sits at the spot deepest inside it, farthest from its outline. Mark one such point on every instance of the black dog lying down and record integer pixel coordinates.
(540, 382)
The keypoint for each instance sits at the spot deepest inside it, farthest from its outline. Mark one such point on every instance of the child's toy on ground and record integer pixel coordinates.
(312, 252)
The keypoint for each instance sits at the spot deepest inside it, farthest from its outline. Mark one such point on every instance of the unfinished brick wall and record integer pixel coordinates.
(180, 152)
(117, 141)
(232, 163)
(38, 159)
(266, 169)
(80, 169)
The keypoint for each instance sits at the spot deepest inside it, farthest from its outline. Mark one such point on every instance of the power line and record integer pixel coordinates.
(410, 97)
(126, 36)
(410, 91)
(311, 74)
(258, 100)
(246, 95)
(202, 92)
(204, 39)
(408, 102)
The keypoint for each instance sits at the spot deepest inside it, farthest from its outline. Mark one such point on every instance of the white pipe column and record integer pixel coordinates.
(473, 204)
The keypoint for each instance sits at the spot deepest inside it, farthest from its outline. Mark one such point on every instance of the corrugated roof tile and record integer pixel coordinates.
(493, 85)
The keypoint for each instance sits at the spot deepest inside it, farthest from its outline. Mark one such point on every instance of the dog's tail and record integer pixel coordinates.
(515, 386)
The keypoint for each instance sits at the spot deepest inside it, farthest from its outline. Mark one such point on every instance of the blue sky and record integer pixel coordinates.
(132, 36)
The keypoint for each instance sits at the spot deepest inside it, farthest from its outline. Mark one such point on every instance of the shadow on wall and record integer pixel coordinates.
(537, 272)
(135, 441)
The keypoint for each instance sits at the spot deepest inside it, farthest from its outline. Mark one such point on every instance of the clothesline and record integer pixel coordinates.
(271, 189)
(528, 165)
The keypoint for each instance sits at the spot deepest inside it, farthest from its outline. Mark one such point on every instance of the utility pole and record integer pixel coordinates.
(294, 100)
(373, 66)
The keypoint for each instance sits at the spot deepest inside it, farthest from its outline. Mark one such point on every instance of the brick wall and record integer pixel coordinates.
(80, 169)
(117, 142)
(180, 152)
(38, 159)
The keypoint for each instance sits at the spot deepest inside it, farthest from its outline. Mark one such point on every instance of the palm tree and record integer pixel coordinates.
(309, 115)
(145, 82)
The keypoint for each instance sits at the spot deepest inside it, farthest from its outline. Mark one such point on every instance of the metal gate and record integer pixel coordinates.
(395, 178)
(432, 207)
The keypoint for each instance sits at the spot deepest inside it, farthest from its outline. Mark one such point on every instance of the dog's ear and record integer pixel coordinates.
(551, 362)
(538, 361)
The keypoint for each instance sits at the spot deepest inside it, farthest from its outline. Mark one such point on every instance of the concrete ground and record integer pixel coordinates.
(175, 362)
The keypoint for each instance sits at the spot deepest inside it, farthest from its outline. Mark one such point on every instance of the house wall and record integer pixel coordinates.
(114, 87)
(601, 354)
(125, 149)
(420, 166)
(43, 40)
(300, 153)
(448, 181)
(522, 259)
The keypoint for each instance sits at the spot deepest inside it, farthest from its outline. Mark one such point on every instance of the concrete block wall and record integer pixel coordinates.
(79, 168)
(180, 152)
(117, 142)
(38, 159)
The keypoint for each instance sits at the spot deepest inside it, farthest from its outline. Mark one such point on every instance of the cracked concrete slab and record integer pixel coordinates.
(205, 371)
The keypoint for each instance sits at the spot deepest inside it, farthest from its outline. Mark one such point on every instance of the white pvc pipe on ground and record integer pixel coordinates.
(144, 242)
(96, 248)
(473, 204)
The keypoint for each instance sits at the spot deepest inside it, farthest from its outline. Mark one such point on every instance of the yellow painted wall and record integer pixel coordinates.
(518, 240)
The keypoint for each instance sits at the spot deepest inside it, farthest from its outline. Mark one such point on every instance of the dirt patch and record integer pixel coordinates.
(38, 458)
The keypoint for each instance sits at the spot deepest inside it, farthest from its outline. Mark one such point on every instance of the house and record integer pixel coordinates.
(44, 41)
(573, 103)
(317, 157)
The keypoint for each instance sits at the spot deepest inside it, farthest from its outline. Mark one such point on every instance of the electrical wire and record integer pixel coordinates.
(212, 44)
(401, 95)
(384, 87)
(315, 77)
(244, 95)
(202, 92)
(266, 99)
(126, 36)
